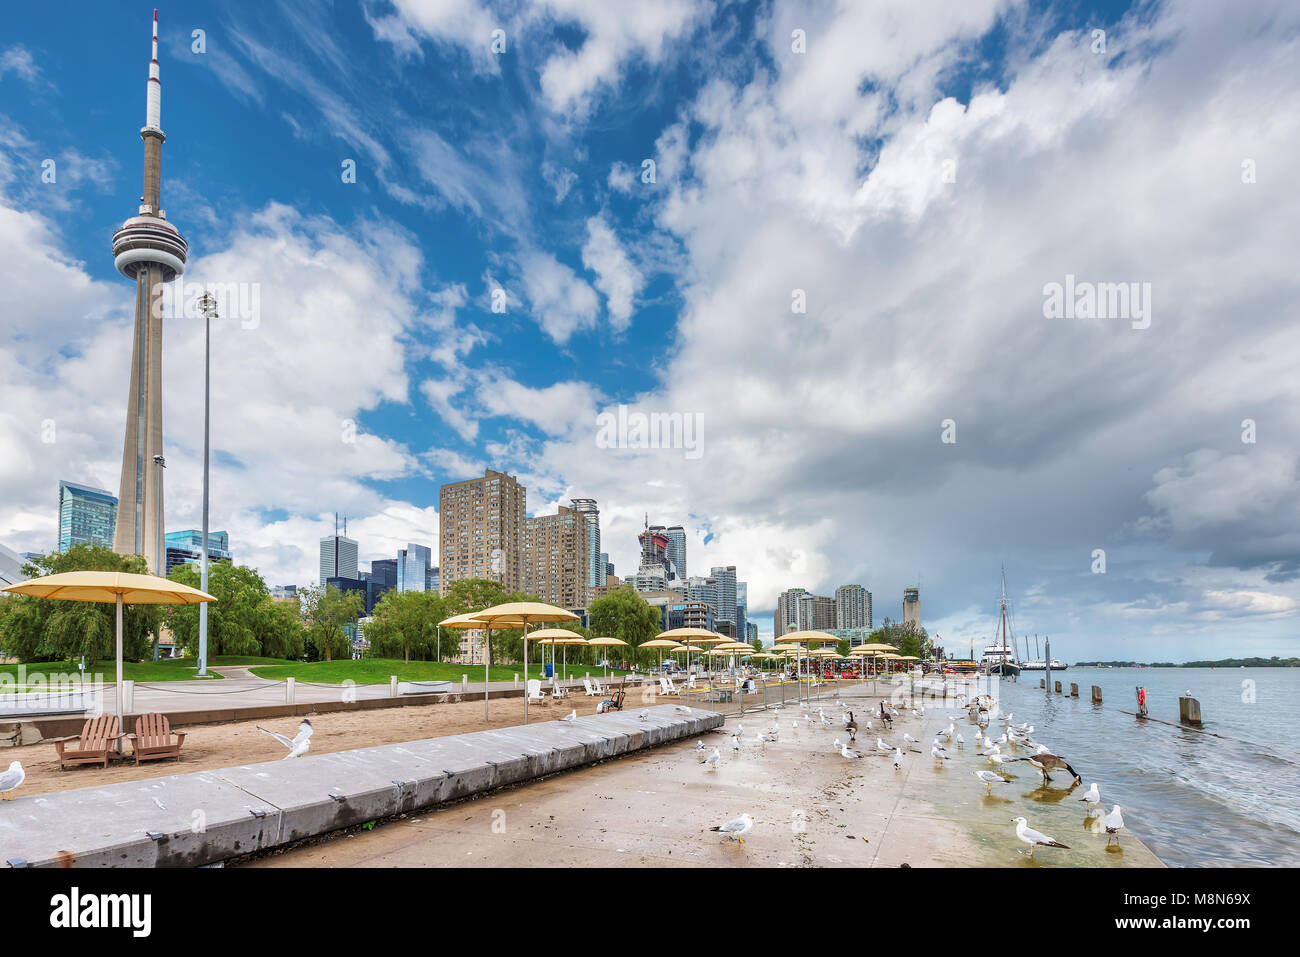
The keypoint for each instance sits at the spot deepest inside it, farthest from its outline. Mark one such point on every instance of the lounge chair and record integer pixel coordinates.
(586, 686)
(153, 739)
(597, 687)
(557, 691)
(97, 738)
(534, 688)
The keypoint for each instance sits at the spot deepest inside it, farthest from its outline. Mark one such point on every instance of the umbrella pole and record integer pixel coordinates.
(525, 671)
(119, 670)
(487, 657)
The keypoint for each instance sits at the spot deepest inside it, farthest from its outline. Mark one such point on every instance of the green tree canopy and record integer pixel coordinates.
(624, 614)
(405, 624)
(44, 629)
(327, 613)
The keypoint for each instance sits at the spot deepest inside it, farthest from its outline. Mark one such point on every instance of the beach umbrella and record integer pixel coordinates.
(513, 614)
(798, 639)
(871, 649)
(660, 643)
(606, 642)
(558, 636)
(119, 588)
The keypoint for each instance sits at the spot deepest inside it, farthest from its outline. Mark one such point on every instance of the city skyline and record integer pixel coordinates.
(1136, 475)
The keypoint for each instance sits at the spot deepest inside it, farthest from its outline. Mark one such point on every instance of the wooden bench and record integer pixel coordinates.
(153, 739)
(97, 738)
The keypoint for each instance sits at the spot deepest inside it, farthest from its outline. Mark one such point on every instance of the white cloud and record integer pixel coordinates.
(616, 276)
(561, 302)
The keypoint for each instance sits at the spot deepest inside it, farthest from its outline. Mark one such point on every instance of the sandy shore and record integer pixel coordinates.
(239, 742)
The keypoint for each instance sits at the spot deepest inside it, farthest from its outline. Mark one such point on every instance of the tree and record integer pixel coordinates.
(406, 623)
(758, 644)
(843, 647)
(328, 612)
(622, 613)
(44, 629)
(237, 620)
(283, 635)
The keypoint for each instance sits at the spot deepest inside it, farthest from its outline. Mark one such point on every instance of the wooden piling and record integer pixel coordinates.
(1058, 687)
(1189, 710)
(1074, 690)
(1096, 694)
(1042, 682)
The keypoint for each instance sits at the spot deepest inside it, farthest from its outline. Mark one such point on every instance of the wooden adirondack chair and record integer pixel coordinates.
(153, 739)
(98, 735)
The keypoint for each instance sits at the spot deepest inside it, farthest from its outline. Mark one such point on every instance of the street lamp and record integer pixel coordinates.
(160, 463)
(208, 304)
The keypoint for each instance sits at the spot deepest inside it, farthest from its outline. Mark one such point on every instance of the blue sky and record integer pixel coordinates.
(919, 172)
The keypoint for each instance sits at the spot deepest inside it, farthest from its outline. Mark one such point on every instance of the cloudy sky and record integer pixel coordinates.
(825, 234)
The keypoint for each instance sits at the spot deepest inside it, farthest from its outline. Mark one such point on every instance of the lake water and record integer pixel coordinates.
(1195, 799)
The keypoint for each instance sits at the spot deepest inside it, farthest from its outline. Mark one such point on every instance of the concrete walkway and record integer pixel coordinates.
(210, 816)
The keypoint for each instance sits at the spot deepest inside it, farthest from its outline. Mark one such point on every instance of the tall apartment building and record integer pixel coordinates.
(852, 607)
(338, 558)
(725, 610)
(595, 563)
(87, 516)
(676, 536)
(481, 531)
(799, 610)
(413, 564)
(912, 606)
(557, 558)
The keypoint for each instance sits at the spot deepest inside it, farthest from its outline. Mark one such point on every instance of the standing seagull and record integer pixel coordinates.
(1093, 797)
(10, 780)
(571, 717)
(1034, 838)
(1114, 824)
(990, 779)
(300, 743)
(898, 759)
(712, 760)
(736, 827)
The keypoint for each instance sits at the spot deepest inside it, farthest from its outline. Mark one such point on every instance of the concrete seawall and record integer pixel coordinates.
(204, 817)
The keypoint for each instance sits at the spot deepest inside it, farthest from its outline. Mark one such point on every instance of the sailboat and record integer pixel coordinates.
(1001, 659)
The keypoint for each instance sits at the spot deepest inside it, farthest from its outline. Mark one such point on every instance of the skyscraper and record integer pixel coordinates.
(742, 610)
(148, 250)
(852, 607)
(912, 606)
(413, 564)
(799, 610)
(481, 530)
(187, 546)
(676, 536)
(725, 609)
(556, 556)
(384, 572)
(87, 516)
(595, 566)
(338, 557)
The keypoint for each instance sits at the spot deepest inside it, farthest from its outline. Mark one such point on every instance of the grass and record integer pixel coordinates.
(377, 671)
(168, 669)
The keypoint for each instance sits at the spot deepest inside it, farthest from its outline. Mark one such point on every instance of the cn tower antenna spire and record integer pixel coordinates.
(153, 111)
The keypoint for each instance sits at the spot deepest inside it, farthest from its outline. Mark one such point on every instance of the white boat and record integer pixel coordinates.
(1040, 664)
(999, 659)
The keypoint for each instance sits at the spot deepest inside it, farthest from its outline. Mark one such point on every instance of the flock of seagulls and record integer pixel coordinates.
(999, 751)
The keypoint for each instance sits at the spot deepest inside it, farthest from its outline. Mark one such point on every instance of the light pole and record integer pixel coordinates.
(209, 306)
(160, 463)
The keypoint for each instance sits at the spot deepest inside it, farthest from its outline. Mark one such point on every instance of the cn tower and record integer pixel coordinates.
(149, 251)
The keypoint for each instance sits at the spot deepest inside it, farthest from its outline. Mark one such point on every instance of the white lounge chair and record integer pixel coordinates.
(586, 685)
(556, 690)
(597, 687)
(534, 688)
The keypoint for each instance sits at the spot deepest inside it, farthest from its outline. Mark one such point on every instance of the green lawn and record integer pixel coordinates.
(377, 671)
(168, 669)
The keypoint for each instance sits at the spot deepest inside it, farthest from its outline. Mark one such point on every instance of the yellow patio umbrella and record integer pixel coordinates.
(660, 643)
(513, 614)
(798, 639)
(871, 650)
(119, 588)
(606, 642)
(558, 636)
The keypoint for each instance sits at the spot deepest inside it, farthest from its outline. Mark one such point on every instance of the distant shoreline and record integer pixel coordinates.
(1225, 663)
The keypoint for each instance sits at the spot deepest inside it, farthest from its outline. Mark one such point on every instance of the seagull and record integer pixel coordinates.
(699, 746)
(898, 759)
(11, 779)
(1093, 797)
(881, 746)
(990, 779)
(767, 737)
(845, 752)
(735, 742)
(736, 827)
(644, 715)
(1034, 838)
(300, 743)
(908, 738)
(712, 760)
(961, 742)
(1114, 824)
(937, 754)
(947, 732)
(573, 716)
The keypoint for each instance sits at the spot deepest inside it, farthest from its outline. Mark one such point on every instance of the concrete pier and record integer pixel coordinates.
(1189, 710)
(200, 818)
